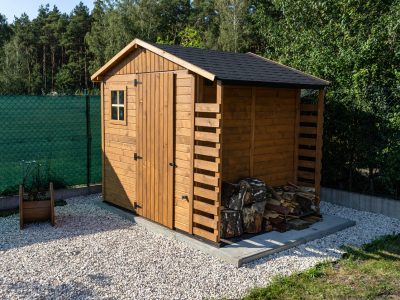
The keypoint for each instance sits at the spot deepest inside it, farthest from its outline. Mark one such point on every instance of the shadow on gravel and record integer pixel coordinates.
(71, 290)
(77, 218)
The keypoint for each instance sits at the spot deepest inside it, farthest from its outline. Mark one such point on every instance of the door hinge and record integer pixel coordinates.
(136, 82)
(136, 156)
(136, 206)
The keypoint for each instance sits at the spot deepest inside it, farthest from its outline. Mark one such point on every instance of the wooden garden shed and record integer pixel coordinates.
(178, 121)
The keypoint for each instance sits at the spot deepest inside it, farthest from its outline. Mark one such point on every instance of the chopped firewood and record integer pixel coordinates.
(231, 223)
(252, 220)
(266, 208)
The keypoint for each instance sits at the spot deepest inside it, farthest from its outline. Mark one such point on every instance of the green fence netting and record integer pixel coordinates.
(61, 133)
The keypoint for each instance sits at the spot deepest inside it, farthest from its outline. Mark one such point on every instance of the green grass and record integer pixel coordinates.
(369, 272)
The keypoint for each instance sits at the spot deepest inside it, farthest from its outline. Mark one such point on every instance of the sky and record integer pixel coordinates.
(11, 8)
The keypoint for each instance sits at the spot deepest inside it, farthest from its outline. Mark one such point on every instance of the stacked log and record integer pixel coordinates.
(291, 207)
(243, 206)
(251, 206)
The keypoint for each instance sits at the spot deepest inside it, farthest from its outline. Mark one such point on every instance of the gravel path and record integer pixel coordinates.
(93, 254)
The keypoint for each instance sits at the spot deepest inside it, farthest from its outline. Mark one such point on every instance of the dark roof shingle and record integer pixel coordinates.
(243, 67)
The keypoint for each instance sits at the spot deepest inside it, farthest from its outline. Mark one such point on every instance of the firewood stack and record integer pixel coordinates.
(251, 206)
(292, 207)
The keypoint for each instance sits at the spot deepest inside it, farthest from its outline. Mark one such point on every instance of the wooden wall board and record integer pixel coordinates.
(143, 61)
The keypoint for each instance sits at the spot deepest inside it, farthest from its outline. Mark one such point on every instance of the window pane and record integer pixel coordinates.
(121, 97)
(114, 97)
(114, 113)
(121, 113)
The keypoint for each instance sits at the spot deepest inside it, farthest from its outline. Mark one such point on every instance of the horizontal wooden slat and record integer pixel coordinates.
(306, 152)
(209, 151)
(304, 183)
(180, 226)
(207, 122)
(308, 119)
(208, 194)
(205, 234)
(199, 219)
(37, 204)
(306, 141)
(306, 163)
(307, 130)
(206, 165)
(210, 180)
(208, 208)
(306, 175)
(207, 136)
(207, 107)
(308, 107)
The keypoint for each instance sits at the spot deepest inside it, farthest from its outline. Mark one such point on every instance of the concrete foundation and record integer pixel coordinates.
(248, 249)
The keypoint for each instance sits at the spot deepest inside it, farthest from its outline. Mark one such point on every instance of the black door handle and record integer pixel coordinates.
(172, 164)
(136, 156)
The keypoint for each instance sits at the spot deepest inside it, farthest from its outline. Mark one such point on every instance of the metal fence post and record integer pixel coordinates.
(88, 141)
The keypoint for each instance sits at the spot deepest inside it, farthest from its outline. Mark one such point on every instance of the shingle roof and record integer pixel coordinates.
(243, 67)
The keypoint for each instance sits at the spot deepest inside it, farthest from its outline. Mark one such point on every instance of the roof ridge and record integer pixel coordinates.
(287, 67)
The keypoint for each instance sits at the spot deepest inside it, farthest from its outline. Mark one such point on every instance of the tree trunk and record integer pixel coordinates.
(44, 68)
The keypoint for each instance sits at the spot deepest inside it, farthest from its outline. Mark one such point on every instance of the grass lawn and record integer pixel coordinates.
(369, 272)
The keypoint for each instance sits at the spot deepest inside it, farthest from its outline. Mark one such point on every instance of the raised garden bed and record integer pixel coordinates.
(37, 210)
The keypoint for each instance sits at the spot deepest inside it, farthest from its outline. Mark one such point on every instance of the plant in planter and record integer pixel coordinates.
(36, 201)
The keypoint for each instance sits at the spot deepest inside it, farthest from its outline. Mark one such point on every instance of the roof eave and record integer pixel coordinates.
(98, 75)
(323, 81)
(273, 84)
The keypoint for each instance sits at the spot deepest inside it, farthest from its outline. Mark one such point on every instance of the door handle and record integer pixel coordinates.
(172, 164)
(136, 156)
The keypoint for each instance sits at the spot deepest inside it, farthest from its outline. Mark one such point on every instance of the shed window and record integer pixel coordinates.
(118, 105)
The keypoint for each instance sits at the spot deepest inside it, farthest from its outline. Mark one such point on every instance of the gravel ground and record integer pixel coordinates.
(93, 254)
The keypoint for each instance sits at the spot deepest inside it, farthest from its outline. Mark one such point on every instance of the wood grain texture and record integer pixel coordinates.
(143, 61)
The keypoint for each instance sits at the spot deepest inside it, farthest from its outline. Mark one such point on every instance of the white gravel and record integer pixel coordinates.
(94, 254)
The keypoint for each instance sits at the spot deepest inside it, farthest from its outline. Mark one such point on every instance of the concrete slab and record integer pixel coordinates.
(245, 250)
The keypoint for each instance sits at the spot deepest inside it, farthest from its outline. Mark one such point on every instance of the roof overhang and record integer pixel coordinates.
(99, 74)
(273, 84)
(322, 81)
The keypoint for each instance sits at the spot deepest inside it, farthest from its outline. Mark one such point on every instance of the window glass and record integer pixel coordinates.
(114, 113)
(114, 99)
(118, 105)
(121, 97)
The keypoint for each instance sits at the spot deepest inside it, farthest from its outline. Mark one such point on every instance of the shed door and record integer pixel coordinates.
(155, 147)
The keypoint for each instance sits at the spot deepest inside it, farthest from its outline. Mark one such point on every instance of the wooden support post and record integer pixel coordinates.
(21, 206)
(253, 129)
(318, 150)
(296, 137)
(51, 191)
(103, 141)
(220, 98)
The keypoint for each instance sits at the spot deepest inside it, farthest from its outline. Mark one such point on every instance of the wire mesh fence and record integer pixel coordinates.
(60, 133)
(362, 141)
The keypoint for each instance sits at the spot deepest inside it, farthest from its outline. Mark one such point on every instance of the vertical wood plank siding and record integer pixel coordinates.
(119, 141)
(155, 146)
(185, 93)
(143, 61)
(259, 133)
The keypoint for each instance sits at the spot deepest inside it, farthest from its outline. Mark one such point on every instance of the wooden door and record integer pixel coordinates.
(155, 161)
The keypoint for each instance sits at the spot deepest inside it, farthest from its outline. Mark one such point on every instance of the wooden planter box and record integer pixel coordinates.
(35, 211)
